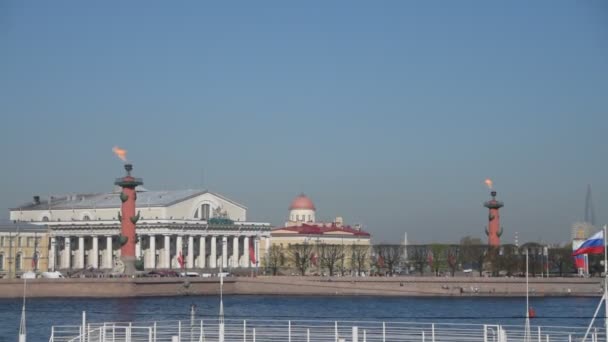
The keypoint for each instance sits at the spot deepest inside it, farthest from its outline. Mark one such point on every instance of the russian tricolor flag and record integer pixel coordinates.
(593, 245)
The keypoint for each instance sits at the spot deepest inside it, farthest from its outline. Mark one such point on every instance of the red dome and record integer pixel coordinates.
(302, 202)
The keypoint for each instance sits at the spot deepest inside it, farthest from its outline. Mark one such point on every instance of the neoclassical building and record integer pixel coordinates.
(302, 227)
(202, 228)
(23, 247)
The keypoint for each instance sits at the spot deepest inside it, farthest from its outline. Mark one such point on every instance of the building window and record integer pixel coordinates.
(1, 262)
(19, 241)
(205, 211)
(86, 218)
(1, 241)
(45, 219)
(18, 262)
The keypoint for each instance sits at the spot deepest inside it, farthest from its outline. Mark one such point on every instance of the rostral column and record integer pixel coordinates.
(493, 230)
(127, 218)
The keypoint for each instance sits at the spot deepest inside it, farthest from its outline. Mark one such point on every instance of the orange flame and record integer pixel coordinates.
(120, 153)
(489, 183)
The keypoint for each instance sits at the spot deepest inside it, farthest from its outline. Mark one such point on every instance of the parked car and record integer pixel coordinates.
(162, 273)
(189, 274)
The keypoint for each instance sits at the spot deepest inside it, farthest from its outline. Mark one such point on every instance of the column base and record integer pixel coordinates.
(129, 263)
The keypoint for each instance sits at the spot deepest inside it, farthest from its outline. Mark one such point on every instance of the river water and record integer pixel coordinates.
(43, 313)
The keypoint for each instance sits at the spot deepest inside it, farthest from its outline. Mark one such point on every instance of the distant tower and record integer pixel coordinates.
(493, 230)
(128, 219)
(589, 212)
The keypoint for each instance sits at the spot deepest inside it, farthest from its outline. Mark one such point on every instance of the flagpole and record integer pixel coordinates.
(605, 283)
(527, 327)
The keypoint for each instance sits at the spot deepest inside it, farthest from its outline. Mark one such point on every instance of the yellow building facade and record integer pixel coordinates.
(23, 247)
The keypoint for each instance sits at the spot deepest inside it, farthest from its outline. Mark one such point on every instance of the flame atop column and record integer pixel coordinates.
(489, 183)
(120, 153)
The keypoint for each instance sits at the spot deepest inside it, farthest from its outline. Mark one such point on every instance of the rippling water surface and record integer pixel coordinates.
(42, 313)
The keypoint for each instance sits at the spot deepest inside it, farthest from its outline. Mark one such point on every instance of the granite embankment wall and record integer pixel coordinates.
(398, 286)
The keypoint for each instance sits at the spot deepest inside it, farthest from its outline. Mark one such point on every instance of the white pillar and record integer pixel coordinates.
(66, 256)
(138, 247)
(235, 251)
(224, 251)
(266, 245)
(52, 254)
(81, 252)
(213, 255)
(201, 253)
(190, 259)
(246, 252)
(178, 249)
(167, 250)
(152, 252)
(95, 257)
(256, 251)
(108, 263)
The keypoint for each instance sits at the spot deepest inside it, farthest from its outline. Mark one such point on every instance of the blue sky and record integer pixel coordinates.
(390, 114)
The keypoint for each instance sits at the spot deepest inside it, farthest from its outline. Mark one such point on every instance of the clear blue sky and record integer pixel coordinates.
(390, 114)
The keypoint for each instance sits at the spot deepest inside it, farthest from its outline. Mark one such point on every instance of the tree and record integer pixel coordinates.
(418, 255)
(359, 255)
(275, 258)
(508, 259)
(331, 256)
(390, 254)
(535, 256)
(453, 255)
(301, 255)
(437, 257)
(562, 259)
(473, 252)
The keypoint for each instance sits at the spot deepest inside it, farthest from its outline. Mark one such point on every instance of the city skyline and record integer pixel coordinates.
(390, 116)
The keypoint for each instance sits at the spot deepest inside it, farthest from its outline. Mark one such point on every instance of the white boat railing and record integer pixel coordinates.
(197, 330)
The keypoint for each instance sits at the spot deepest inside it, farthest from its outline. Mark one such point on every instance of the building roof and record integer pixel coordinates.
(112, 200)
(312, 229)
(16, 226)
(302, 202)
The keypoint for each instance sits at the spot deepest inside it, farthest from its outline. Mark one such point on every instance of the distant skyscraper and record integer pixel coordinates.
(589, 212)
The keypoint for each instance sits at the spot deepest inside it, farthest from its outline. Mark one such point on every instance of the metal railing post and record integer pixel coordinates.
(355, 337)
(129, 331)
(336, 331)
(364, 335)
(179, 330)
(253, 335)
(289, 331)
(422, 335)
(433, 332)
(154, 330)
(383, 331)
(244, 330)
(539, 335)
(485, 333)
(307, 335)
(150, 334)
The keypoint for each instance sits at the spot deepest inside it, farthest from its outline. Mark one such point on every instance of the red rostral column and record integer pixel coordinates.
(127, 218)
(493, 230)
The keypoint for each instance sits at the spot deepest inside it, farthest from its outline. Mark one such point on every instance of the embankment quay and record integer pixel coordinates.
(322, 286)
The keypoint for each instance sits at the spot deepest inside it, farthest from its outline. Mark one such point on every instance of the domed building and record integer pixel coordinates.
(301, 210)
(302, 226)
